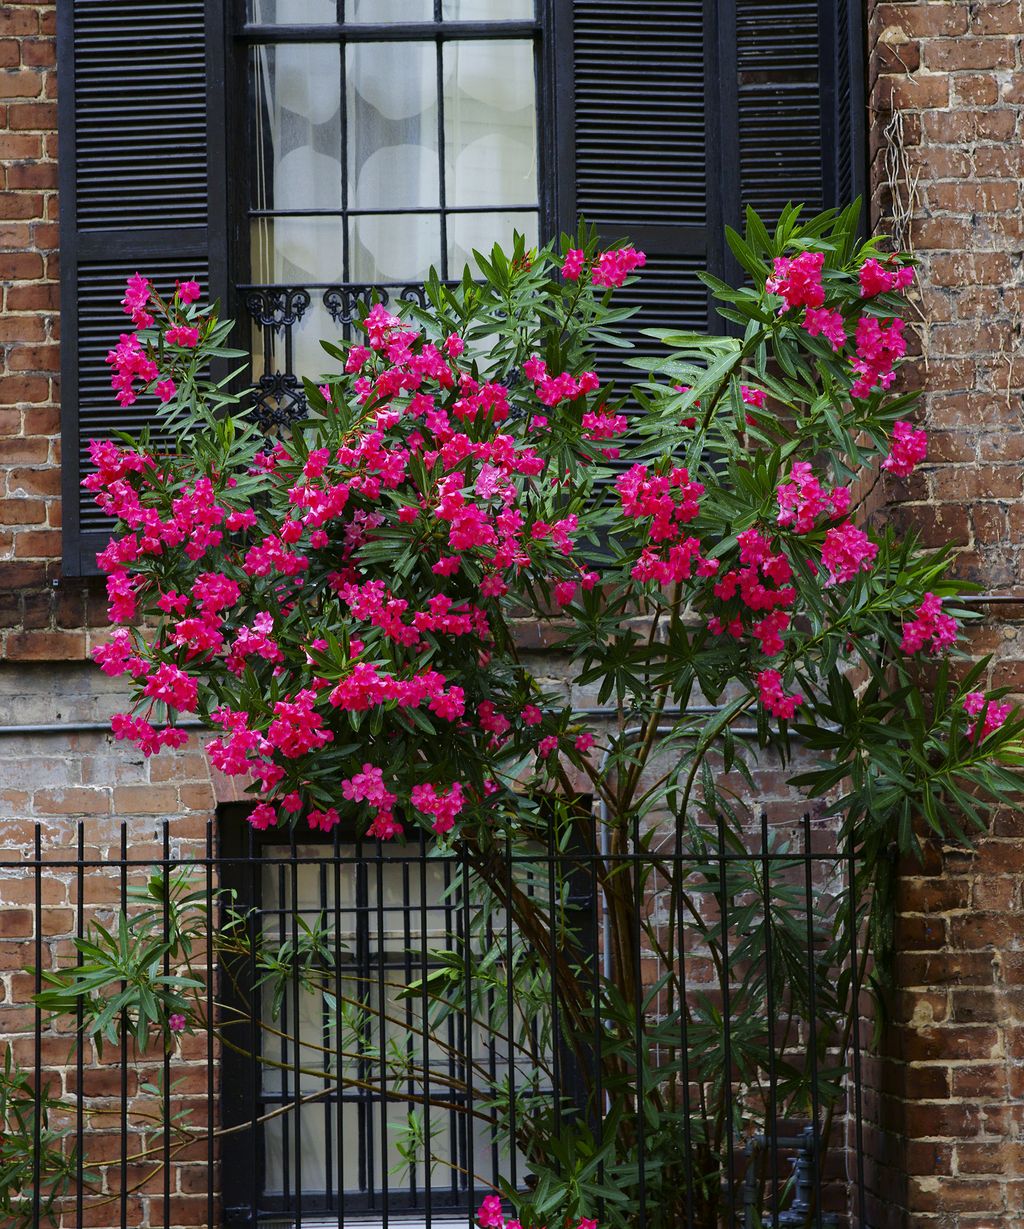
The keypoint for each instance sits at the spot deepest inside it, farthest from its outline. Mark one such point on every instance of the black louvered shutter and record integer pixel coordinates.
(686, 111)
(639, 74)
(141, 189)
(800, 103)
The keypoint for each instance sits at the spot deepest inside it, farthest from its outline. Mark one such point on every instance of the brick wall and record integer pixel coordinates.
(29, 327)
(947, 89)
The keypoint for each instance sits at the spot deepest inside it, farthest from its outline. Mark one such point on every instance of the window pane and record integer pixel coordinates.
(389, 248)
(291, 12)
(392, 125)
(296, 251)
(482, 231)
(487, 10)
(490, 123)
(380, 11)
(297, 113)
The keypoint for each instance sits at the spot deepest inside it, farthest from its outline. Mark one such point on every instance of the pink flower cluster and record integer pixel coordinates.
(144, 736)
(846, 551)
(929, 627)
(490, 1216)
(564, 387)
(443, 805)
(976, 703)
(613, 267)
(130, 362)
(878, 347)
(798, 280)
(368, 786)
(802, 500)
(909, 449)
(774, 698)
(875, 279)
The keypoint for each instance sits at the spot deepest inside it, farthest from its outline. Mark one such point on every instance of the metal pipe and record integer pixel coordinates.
(76, 727)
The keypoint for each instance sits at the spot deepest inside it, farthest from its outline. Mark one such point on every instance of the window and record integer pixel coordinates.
(381, 933)
(383, 140)
(657, 119)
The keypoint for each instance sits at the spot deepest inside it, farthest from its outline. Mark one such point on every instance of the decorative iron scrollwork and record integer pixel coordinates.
(277, 308)
(342, 301)
(278, 400)
(413, 294)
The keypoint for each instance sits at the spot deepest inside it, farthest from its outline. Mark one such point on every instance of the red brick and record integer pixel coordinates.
(45, 646)
(33, 116)
(33, 358)
(39, 52)
(1002, 18)
(20, 83)
(24, 265)
(923, 20)
(34, 481)
(957, 54)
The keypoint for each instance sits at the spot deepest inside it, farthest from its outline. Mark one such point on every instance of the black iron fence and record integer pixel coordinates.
(649, 1029)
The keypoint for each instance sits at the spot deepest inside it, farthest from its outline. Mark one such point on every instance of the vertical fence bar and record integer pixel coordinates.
(210, 1082)
(297, 1026)
(428, 1133)
(124, 1045)
(37, 1019)
(80, 1032)
(254, 924)
(640, 1040)
(385, 1181)
(166, 867)
(679, 872)
(339, 1040)
(470, 1159)
(858, 1122)
(772, 1124)
(812, 1023)
(723, 888)
(510, 1013)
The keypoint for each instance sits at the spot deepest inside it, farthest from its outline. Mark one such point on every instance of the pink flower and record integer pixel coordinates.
(535, 368)
(443, 805)
(182, 335)
(136, 299)
(532, 715)
(909, 448)
(176, 1022)
(547, 745)
(798, 280)
(565, 591)
(828, 324)
(572, 265)
(615, 266)
(188, 292)
(874, 279)
(489, 1214)
(930, 624)
(165, 390)
(263, 816)
(878, 347)
(173, 687)
(975, 703)
(583, 743)
(323, 820)
(453, 345)
(846, 551)
(774, 698)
